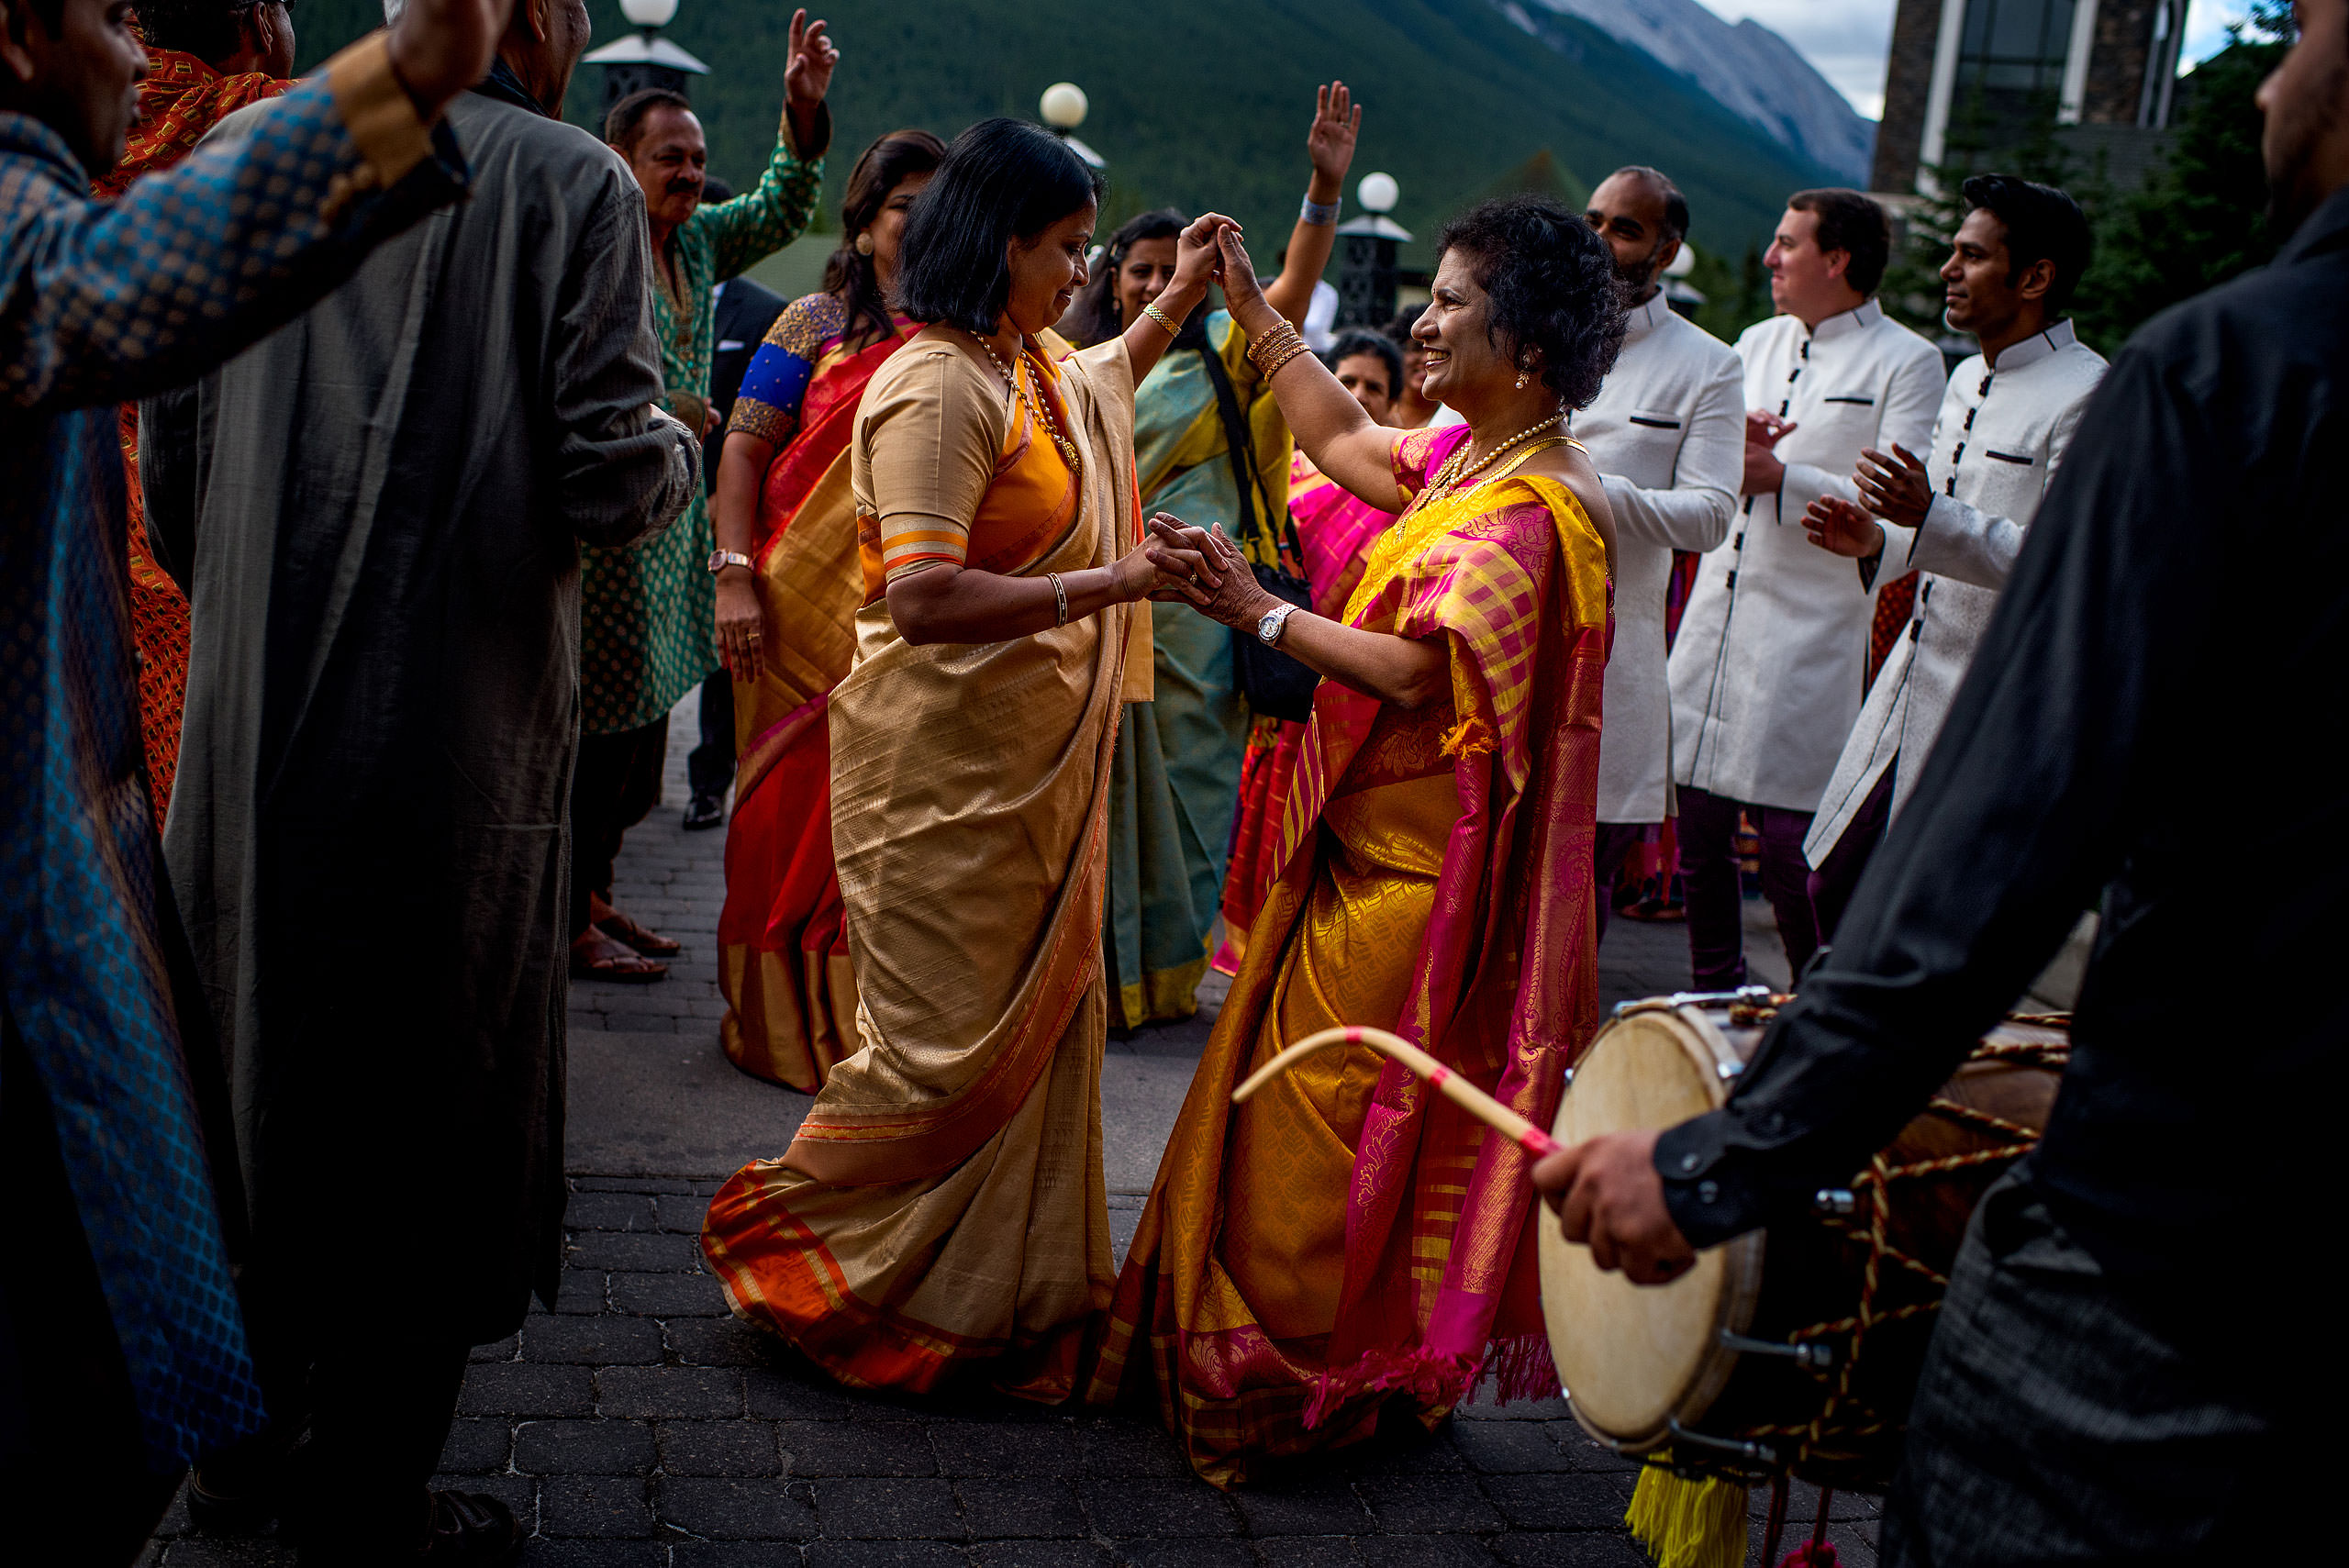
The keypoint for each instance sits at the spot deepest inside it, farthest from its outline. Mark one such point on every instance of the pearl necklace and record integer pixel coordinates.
(1037, 409)
(1454, 475)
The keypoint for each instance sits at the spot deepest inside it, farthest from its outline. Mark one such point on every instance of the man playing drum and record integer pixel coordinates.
(2128, 1366)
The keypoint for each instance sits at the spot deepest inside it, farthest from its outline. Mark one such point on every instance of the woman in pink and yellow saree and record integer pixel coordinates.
(1347, 1239)
(941, 1207)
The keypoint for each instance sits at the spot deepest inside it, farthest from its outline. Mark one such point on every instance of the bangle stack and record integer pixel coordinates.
(1320, 214)
(1280, 344)
(1059, 599)
(1174, 328)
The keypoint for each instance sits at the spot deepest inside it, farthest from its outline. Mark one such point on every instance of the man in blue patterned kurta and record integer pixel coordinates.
(648, 633)
(122, 1354)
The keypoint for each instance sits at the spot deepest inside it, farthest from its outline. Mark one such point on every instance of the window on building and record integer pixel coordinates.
(2013, 50)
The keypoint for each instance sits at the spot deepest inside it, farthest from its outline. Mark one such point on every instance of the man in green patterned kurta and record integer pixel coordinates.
(646, 629)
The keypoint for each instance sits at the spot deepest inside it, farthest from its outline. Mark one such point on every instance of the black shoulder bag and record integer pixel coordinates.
(1273, 684)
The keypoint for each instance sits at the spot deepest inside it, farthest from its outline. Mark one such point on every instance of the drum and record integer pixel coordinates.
(1798, 1349)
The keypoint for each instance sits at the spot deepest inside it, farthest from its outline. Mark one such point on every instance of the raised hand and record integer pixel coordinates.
(1240, 290)
(1337, 122)
(1199, 259)
(1896, 489)
(813, 57)
(439, 48)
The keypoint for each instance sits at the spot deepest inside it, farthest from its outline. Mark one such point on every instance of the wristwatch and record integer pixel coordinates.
(719, 559)
(1268, 630)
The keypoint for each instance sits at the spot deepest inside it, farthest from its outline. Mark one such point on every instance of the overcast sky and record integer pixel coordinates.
(1847, 39)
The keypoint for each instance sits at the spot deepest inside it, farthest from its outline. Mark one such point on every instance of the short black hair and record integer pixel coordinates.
(1354, 344)
(1002, 179)
(1852, 223)
(208, 29)
(624, 126)
(1675, 205)
(1399, 327)
(2043, 224)
(715, 190)
(1552, 287)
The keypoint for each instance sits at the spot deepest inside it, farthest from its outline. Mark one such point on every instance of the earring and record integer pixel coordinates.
(1520, 381)
(864, 248)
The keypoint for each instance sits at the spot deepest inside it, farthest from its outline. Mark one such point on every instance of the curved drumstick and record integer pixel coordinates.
(1456, 1089)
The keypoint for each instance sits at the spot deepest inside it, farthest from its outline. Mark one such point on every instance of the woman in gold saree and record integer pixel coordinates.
(1348, 1238)
(943, 1204)
(786, 628)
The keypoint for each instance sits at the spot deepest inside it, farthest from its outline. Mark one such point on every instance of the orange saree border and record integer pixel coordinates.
(865, 1346)
(933, 1140)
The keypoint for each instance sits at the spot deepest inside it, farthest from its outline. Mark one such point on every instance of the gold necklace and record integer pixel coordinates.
(1037, 409)
(1457, 471)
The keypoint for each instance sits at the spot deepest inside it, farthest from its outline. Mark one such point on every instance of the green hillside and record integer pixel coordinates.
(1207, 105)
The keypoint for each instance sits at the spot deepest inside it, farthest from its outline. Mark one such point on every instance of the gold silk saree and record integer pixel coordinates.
(1349, 1237)
(942, 1206)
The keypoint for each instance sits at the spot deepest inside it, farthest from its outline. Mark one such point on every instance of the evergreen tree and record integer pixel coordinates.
(2202, 216)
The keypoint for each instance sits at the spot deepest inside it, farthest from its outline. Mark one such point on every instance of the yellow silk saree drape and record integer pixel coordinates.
(1349, 1237)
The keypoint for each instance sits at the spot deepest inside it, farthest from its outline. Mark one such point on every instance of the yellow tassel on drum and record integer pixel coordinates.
(1688, 1524)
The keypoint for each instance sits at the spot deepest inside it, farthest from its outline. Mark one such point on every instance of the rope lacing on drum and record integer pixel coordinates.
(1844, 1418)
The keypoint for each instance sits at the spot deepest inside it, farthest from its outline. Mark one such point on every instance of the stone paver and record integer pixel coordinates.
(638, 1425)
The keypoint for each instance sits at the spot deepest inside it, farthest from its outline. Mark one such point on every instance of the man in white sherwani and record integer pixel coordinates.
(1960, 516)
(1767, 671)
(1667, 435)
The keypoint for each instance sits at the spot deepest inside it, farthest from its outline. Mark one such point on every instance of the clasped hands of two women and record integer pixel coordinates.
(1179, 564)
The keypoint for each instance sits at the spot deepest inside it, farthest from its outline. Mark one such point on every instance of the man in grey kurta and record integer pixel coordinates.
(388, 499)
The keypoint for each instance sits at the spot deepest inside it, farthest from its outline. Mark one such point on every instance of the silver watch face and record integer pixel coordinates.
(1270, 626)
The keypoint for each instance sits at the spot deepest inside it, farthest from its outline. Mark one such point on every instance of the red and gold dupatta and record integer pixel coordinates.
(783, 951)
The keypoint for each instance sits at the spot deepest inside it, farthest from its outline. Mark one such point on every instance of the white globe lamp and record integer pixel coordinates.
(649, 14)
(1064, 105)
(1379, 193)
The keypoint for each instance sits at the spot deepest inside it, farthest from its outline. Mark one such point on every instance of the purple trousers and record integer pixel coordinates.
(1833, 883)
(1615, 842)
(1716, 902)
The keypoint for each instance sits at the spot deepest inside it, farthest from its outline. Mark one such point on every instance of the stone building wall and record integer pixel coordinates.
(1908, 87)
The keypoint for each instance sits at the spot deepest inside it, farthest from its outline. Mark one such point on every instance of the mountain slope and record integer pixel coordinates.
(1208, 105)
(1748, 69)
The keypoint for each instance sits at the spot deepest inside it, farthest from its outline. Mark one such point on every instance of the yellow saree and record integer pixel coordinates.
(943, 1204)
(1349, 1237)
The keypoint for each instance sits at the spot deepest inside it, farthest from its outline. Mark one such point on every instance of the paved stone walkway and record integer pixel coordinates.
(638, 1425)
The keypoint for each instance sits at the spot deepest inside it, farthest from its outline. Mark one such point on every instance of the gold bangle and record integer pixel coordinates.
(1276, 346)
(1174, 328)
(1290, 351)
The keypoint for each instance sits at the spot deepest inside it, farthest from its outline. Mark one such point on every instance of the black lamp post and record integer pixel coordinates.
(644, 59)
(1366, 255)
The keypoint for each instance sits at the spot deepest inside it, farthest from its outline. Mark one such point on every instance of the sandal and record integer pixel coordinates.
(599, 957)
(652, 944)
(470, 1527)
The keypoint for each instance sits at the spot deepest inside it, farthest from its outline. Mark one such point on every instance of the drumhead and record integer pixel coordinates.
(1633, 1358)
